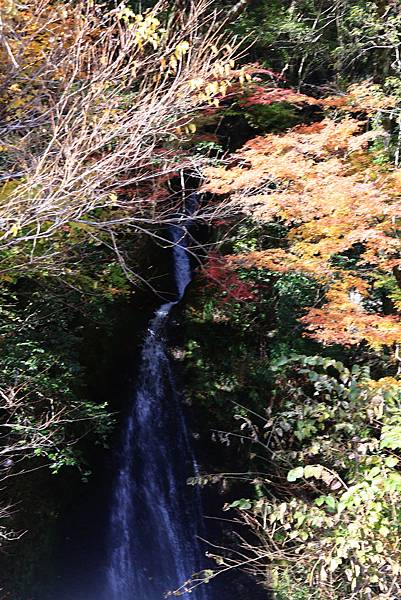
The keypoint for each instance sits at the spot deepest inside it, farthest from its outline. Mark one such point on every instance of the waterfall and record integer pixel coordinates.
(155, 516)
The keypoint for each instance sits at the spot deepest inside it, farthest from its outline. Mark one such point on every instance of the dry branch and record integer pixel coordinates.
(104, 116)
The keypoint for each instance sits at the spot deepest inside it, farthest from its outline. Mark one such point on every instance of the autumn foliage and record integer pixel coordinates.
(341, 211)
(218, 272)
(95, 103)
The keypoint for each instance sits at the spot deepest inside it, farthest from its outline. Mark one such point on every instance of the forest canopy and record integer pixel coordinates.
(285, 117)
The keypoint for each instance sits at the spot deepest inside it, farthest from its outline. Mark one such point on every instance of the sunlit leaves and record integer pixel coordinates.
(146, 26)
(295, 474)
(340, 523)
(341, 214)
(391, 437)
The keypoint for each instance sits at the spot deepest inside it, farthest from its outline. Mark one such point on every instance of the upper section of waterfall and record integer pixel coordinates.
(178, 235)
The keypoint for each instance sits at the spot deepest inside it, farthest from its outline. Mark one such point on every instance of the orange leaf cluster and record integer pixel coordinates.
(364, 96)
(360, 97)
(320, 182)
(264, 95)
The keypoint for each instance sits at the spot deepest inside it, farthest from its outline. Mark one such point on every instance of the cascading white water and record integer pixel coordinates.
(154, 515)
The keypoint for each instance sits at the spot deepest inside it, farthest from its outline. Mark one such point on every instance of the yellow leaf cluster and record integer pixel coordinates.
(223, 77)
(30, 34)
(147, 28)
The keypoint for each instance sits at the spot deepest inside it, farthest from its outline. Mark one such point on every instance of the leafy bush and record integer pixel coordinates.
(334, 435)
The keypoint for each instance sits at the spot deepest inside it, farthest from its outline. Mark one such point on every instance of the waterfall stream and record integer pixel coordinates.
(155, 515)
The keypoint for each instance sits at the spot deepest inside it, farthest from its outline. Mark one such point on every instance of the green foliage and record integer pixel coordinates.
(323, 454)
(52, 294)
(243, 504)
(231, 342)
(286, 37)
(341, 431)
(313, 41)
(208, 148)
(225, 349)
(284, 588)
(272, 118)
(43, 376)
(294, 292)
